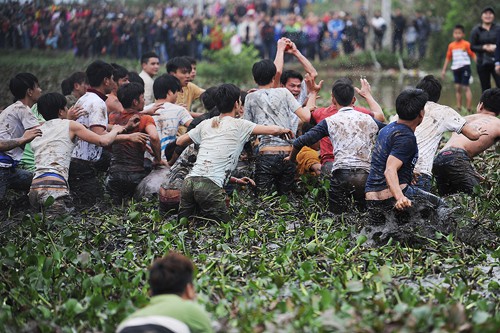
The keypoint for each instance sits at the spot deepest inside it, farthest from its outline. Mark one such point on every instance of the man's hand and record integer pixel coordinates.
(245, 181)
(286, 134)
(152, 110)
(160, 163)
(291, 48)
(312, 86)
(282, 44)
(118, 128)
(402, 203)
(138, 137)
(316, 168)
(75, 112)
(365, 90)
(133, 123)
(443, 73)
(30, 134)
(414, 179)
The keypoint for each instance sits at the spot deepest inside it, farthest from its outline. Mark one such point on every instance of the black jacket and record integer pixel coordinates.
(479, 37)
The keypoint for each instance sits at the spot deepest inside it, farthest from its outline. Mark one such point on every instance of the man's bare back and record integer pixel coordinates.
(487, 122)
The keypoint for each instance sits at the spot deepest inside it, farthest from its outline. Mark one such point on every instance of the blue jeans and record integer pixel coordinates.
(424, 182)
(14, 178)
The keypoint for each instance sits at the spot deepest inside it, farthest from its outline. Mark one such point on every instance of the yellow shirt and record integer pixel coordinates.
(188, 95)
(306, 158)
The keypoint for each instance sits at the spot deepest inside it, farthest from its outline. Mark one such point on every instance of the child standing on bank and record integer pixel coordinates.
(460, 53)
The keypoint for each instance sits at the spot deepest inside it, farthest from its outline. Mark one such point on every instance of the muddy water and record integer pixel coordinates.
(386, 86)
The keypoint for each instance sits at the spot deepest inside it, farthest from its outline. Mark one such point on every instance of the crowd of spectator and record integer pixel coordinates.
(96, 29)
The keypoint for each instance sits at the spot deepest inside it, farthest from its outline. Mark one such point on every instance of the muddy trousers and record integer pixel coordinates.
(85, 187)
(14, 178)
(202, 197)
(454, 172)
(380, 210)
(122, 185)
(346, 185)
(273, 173)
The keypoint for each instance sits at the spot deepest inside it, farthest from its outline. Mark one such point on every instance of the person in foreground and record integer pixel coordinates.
(221, 141)
(393, 159)
(452, 166)
(172, 307)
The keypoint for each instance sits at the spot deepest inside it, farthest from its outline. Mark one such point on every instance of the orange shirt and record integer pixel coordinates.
(461, 53)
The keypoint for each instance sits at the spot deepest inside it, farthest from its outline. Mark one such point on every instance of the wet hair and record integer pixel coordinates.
(225, 96)
(134, 77)
(165, 83)
(343, 91)
(263, 72)
(119, 72)
(410, 102)
(491, 100)
(97, 72)
(431, 86)
(178, 63)
(128, 93)
(207, 98)
(290, 74)
(459, 27)
(20, 84)
(68, 84)
(146, 56)
(170, 274)
(49, 105)
(191, 60)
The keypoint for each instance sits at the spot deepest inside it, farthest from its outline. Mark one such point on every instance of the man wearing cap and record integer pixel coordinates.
(483, 42)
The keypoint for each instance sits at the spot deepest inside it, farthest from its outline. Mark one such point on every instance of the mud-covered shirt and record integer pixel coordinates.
(221, 141)
(399, 141)
(438, 120)
(128, 156)
(167, 120)
(275, 106)
(352, 134)
(96, 114)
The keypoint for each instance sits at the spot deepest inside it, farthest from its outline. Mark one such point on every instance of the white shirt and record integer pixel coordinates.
(14, 120)
(148, 87)
(221, 141)
(53, 149)
(437, 120)
(167, 120)
(96, 115)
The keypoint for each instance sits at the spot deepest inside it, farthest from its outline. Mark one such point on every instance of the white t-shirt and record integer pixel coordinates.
(53, 149)
(437, 120)
(96, 115)
(167, 120)
(274, 106)
(14, 120)
(149, 96)
(221, 141)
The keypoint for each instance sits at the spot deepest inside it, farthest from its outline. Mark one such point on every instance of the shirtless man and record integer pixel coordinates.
(452, 166)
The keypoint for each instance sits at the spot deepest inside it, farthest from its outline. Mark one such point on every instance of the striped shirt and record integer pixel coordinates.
(459, 53)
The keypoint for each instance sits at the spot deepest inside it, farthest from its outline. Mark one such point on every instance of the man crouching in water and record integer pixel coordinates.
(221, 141)
(393, 159)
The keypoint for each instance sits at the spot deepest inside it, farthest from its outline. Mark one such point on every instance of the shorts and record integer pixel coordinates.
(462, 75)
(53, 186)
(203, 198)
(453, 171)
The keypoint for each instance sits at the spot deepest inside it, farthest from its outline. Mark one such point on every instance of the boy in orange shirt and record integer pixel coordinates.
(460, 53)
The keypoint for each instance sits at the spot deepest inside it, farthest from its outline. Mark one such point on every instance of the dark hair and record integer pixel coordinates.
(20, 84)
(134, 77)
(343, 91)
(410, 102)
(145, 57)
(207, 98)
(263, 72)
(226, 95)
(243, 95)
(165, 83)
(191, 60)
(178, 63)
(290, 74)
(170, 274)
(128, 93)
(68, 84)
(119, 72)
(170, 149)
(97, 72)
(491, 100)
(49, 105)
(459, 27)
(431, 86)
